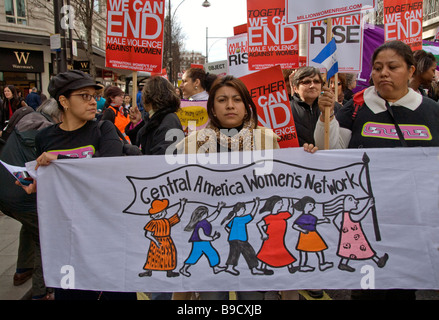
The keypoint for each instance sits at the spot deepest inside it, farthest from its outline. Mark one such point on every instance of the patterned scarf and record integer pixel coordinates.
(209, 138)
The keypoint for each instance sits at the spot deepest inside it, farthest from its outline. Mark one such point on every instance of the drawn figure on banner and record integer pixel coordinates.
(238, 238)
(201, 226)
(162, 253)
(309, 239)
(272, 228)
(353, 243)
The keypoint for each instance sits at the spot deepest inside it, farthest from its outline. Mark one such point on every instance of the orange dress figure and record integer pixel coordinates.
(162, 253)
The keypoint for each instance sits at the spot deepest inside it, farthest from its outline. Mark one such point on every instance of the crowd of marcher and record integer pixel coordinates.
(85, 119)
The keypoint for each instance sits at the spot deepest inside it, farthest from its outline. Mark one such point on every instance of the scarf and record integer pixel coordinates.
(211, 137)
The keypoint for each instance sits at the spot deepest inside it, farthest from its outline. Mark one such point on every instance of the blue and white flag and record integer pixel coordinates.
(328, 58)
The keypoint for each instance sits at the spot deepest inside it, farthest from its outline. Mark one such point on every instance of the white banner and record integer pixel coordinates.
(347, 32)
(124, 224)
(299, 11)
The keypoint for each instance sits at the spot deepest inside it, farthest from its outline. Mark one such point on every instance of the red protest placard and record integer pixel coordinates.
(403, 21)
(269, 92)
(271, 40)
(135, 35)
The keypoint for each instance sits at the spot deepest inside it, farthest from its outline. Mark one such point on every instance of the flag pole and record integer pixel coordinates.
(134, 93)
(327, 115)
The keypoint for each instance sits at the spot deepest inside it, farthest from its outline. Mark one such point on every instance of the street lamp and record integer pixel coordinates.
(205, 4)
(207, 43)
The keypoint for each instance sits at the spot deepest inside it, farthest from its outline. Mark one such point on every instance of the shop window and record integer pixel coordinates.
(16, 11)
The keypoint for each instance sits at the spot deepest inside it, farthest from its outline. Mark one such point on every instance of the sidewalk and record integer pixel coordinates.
(9, 231)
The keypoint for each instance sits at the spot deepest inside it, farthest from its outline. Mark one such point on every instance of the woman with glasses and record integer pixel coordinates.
(388, 101)
(307, 85)
(77, 136)
(341, 87)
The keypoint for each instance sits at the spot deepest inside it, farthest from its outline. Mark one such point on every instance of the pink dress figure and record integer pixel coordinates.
(353, 243)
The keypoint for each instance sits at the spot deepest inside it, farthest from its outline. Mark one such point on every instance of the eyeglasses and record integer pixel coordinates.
(308, 82)
(85, 96)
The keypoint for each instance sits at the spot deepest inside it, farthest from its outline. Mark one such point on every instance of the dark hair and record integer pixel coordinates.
(238, 85)
(300, 205)
(160, 93)
(400, 48)
(66, 94)
(206, 79)
(269, 204)
(423, 61)
(304, 72)
(196, 217)
(111, 92)
(232, 213)
(15, 100)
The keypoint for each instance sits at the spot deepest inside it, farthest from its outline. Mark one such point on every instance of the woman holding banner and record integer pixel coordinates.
(391, 107)
(196, 84)
(77, 136)
(307, 85)
(161, 101)
(390, 100)
(231, 108)
(232, 127)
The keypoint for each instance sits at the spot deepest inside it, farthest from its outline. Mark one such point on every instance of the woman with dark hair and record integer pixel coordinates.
(196, 84)
(162, 102)
(233, 120)
(425, 64)
(114, 110)
(391, 106)
(10, 104)
(389, 100)
(202, 238)
(77, 136)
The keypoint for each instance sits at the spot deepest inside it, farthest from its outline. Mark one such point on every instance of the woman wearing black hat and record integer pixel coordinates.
(77, 136)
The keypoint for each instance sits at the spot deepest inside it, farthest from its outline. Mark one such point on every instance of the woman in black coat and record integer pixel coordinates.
(161, 103)
(9, 105)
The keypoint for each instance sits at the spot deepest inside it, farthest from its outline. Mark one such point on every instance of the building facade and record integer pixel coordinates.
(26, 58)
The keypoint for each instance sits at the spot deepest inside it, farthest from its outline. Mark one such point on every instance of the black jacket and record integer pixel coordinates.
(151, 137)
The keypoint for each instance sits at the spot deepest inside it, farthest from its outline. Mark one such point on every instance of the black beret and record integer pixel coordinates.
(70, 80)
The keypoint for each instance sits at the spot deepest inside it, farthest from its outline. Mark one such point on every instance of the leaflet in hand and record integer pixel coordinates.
(19, 173)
